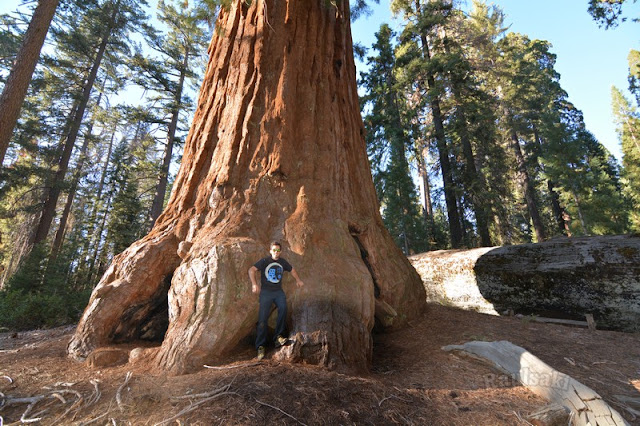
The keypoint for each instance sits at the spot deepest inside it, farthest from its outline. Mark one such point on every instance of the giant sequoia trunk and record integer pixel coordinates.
(276, 151)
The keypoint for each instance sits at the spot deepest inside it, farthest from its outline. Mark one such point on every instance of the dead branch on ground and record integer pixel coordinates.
(214, 394)
(283, 412)
(118, 393)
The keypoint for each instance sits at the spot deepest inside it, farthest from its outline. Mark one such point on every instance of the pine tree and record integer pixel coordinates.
(388, 139)
(113, 17)
(126, 218)
(528, 86)
(628, 127)
(479, 35)
(418, 40)
(180, 51)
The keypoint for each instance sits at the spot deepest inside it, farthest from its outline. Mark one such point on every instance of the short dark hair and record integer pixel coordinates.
(275, 243)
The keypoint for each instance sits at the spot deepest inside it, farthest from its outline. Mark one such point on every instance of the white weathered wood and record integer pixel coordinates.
(587, 406)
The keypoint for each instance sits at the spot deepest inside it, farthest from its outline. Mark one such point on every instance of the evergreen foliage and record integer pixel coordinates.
(628, 126)
(104, 200)
(388, 144)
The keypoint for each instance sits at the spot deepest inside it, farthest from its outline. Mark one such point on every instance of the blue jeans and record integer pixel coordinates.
(267, 298)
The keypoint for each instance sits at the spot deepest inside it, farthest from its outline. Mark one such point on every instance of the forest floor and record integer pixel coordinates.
(412, 380)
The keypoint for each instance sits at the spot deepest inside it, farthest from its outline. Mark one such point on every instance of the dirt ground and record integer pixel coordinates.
(412, 381)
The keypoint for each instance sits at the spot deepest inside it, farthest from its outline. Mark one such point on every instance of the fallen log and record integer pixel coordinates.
(567, 278)
(586, 406)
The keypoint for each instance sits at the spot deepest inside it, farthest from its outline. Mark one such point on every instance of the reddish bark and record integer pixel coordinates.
(18, 81)
(276, 151)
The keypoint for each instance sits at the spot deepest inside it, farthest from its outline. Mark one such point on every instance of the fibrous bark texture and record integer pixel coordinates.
(563, 278)
(276, 152)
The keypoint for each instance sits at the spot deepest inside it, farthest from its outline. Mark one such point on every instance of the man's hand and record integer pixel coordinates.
(252, 277)
(299, 282)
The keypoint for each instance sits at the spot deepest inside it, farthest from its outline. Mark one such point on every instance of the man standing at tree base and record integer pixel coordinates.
(272, 269)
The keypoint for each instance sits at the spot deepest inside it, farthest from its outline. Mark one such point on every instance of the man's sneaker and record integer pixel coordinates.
(260, 353)
(280, 341)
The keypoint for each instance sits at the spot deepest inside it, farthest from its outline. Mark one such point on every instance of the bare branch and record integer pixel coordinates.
(283, 412)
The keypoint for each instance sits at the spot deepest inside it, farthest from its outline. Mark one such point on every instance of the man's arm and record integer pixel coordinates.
(252, 277)
(299, 282)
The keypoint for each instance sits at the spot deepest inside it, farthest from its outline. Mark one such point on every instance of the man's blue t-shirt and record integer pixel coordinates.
(271, 271)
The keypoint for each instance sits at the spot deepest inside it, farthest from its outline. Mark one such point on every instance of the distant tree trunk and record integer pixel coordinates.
(502, 224)
(527, 188)
(77, 175)
(98, 238)
(427, 212)
(455, 227)
(161, 188)
(75, 181)
(94, 236)
(558, 211)
(475, 185)
(576, 199)
(51, 201)
(276, 151)
(473, 180)
(17, 83)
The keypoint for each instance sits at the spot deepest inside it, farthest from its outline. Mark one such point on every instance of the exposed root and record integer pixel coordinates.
(73, 407)
(122, 386)
(522, 420)
(60, 395)
(95, 397)
(34, 400)
(230, 367)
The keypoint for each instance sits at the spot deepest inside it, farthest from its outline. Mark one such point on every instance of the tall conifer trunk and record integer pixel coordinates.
(161, 187)
(15, 88)
(527, 188)
(455, 226)
(75, 121)
(75, 182)
(276, 151)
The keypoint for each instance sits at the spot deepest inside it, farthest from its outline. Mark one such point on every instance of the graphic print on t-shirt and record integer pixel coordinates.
(273, 273)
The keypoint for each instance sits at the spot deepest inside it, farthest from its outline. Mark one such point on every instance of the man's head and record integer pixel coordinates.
(275, 250)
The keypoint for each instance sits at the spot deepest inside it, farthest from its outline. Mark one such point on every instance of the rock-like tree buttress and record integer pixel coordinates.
(276, 152)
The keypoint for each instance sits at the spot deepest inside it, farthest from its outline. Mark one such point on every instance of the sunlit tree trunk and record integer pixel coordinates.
(17, 83)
